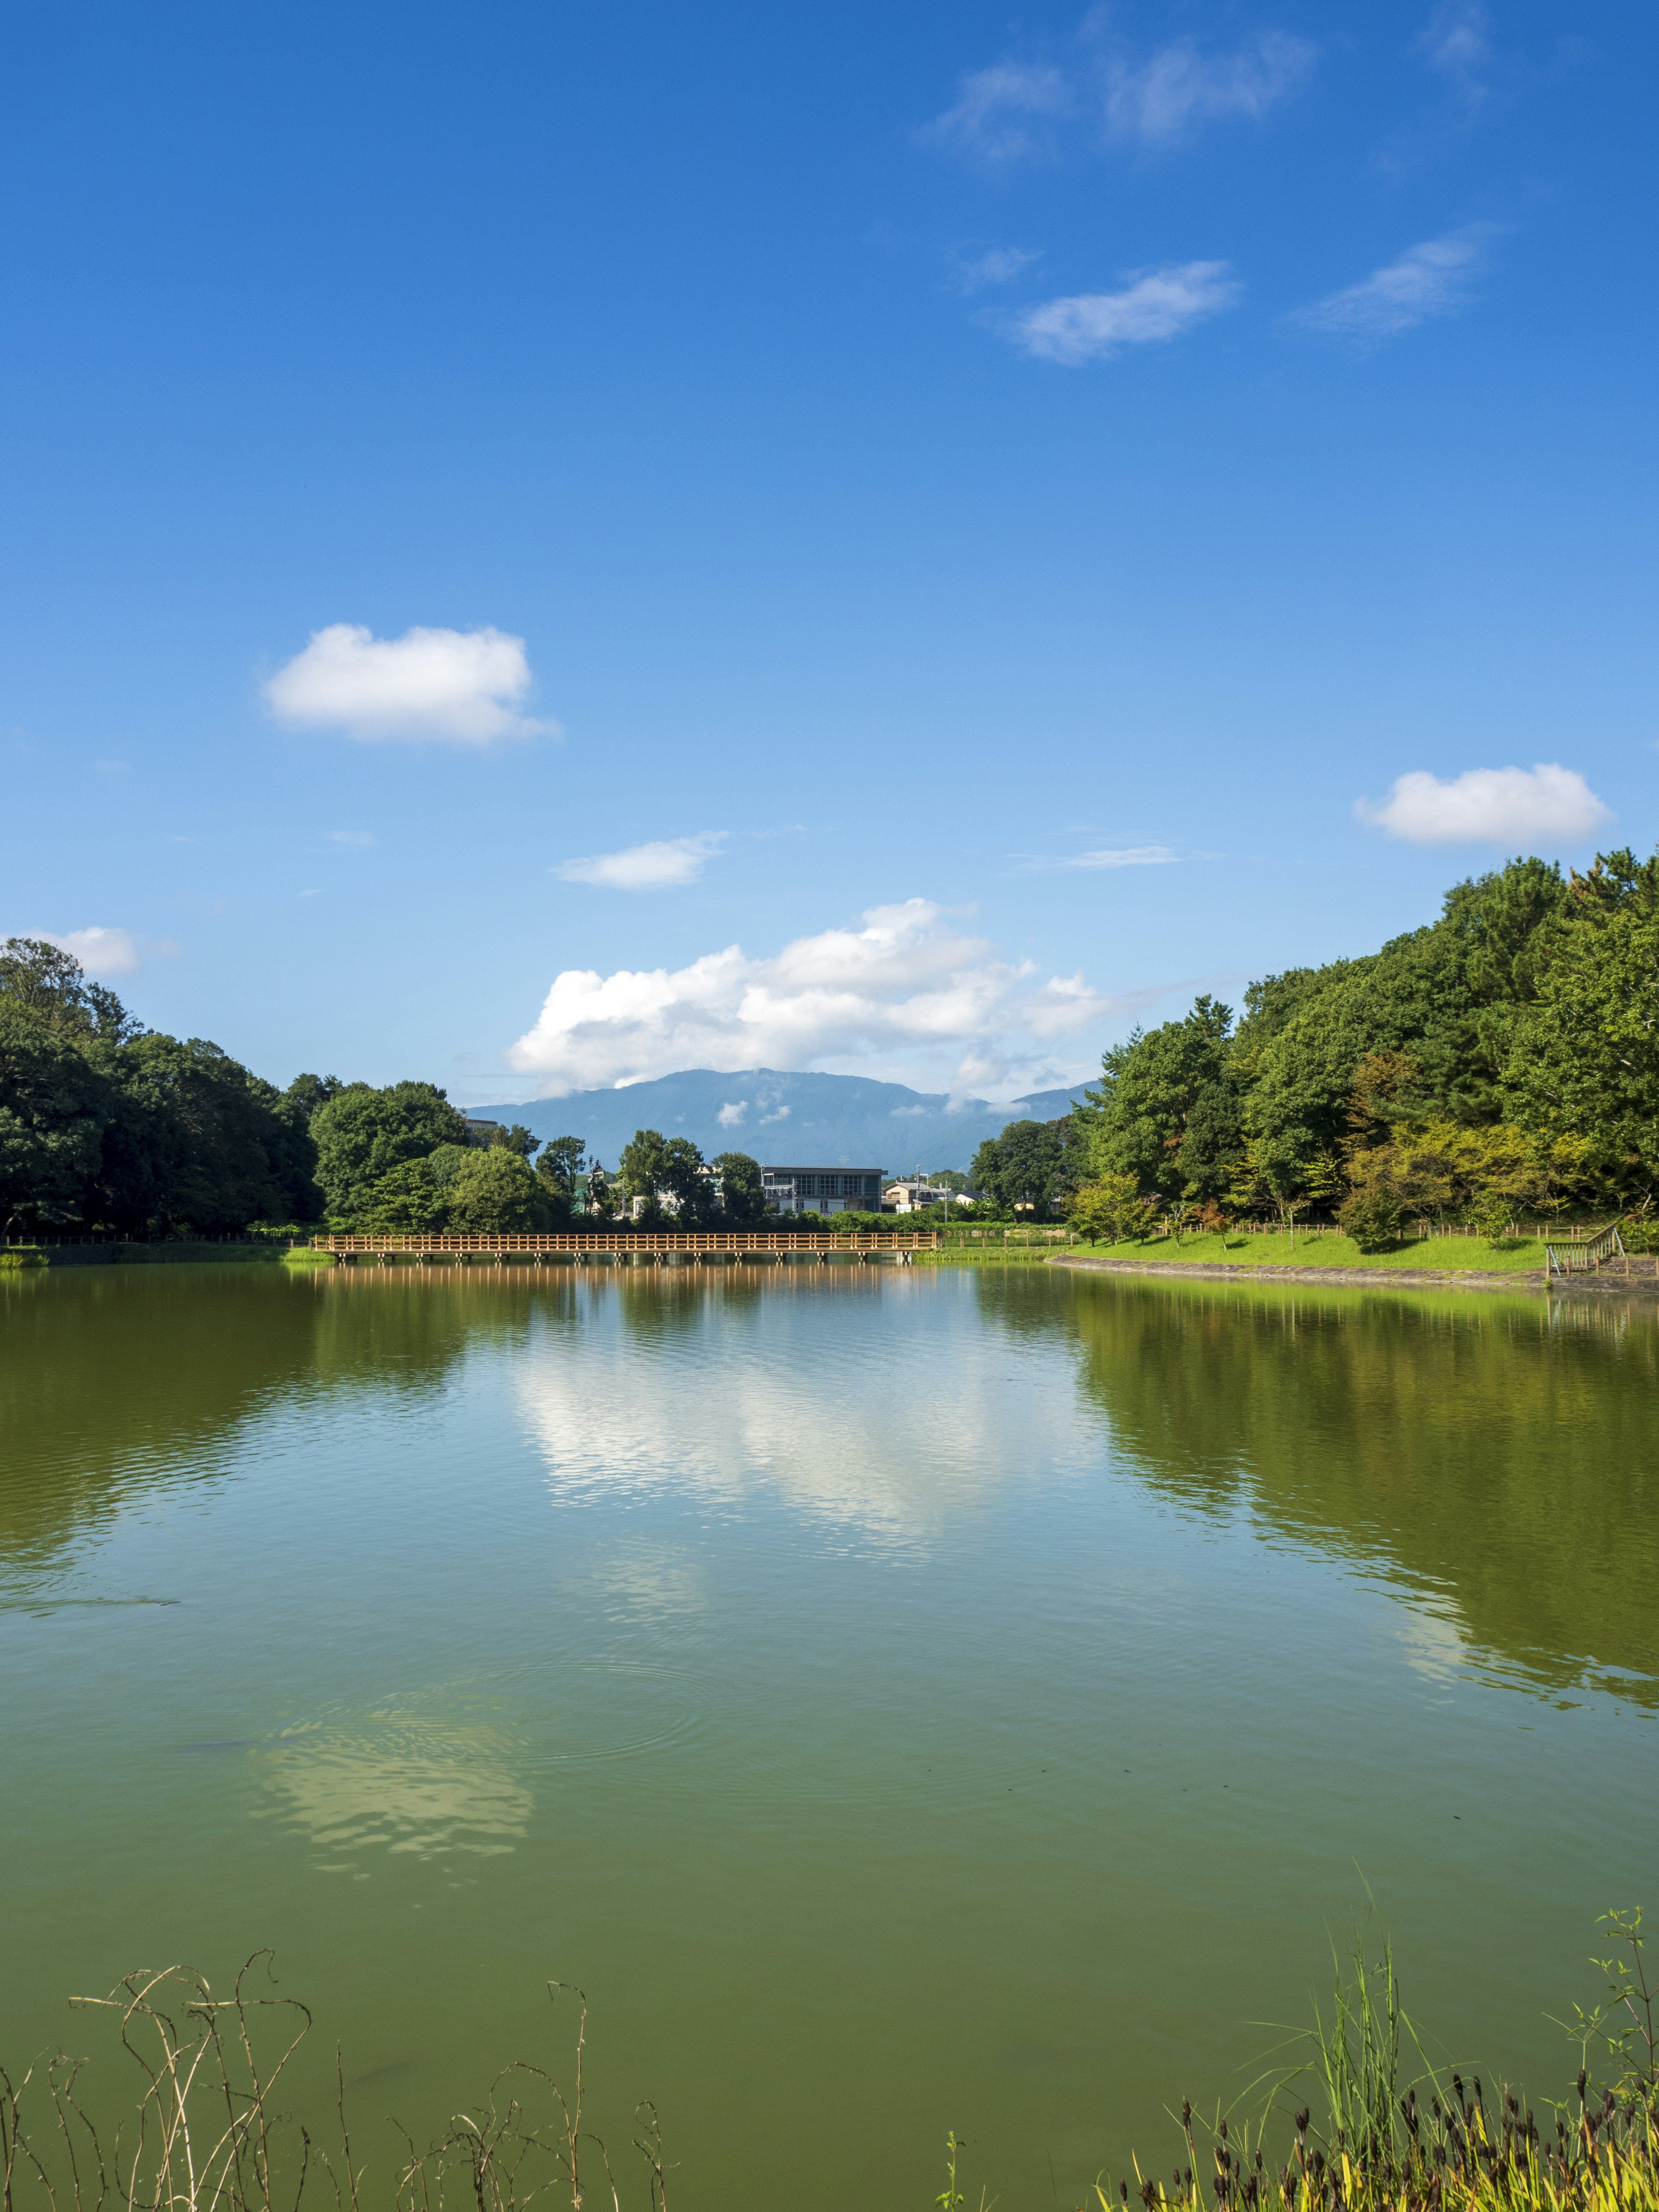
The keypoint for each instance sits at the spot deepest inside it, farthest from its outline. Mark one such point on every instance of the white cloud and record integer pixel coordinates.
(348, 837)
(462, 687)
(729, 1116)
(782, 1115)
(1123, 856)
(997, 265)
(661, 866)
(100, 951)
(1454, 41)
(1548, 804)
(1435, 278)
(1155, 305)
(907, 987)
(997, 109)
(1171, 94)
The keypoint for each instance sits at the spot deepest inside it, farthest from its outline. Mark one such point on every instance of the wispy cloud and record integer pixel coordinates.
(999, 114)
(1122, 856)
(997, 265)
(664, 866)
(348, 837)
(1454, 43)
(1435, 278)
(1154, 306)
(1168, 98)
(1162, 97)
(1506, 807)
(462, 687)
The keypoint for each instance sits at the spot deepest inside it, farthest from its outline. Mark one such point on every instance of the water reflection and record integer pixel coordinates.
(1494, 1456)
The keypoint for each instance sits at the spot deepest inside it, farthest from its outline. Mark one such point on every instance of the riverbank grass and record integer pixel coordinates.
(1517, 1255)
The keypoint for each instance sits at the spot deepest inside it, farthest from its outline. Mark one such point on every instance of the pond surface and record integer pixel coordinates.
(902, 1699)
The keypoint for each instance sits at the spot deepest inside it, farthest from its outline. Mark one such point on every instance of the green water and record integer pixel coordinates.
(903, 1700)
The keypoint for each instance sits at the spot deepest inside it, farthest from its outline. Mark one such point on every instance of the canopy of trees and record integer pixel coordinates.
(104, 1125)
(1504, 1059)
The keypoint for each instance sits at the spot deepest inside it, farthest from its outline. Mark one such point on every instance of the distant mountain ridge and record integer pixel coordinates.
(784, 1120)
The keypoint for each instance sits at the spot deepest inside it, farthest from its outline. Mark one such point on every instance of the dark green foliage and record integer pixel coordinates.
(743, 1199)
(362, 1133)
(308, 1093)
(1585, 1057)
(1168, 1109)
(666, 1173)
(104, 1125)
(1032, 1165)
(517, 1139)
(1531, 1000)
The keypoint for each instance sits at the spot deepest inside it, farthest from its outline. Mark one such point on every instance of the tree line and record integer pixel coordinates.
(1501, 1062)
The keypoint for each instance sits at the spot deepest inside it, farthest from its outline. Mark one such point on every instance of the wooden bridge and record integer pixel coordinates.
(630, 1247)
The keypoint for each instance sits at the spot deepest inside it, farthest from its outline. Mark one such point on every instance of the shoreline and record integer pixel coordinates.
(1423, 1279)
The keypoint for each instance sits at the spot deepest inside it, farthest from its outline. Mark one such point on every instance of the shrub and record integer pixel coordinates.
(1373, 1219)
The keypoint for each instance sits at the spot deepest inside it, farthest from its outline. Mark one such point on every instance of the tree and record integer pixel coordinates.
(516, 1139)
(560, 1165)
(948, 1179)
(493, 1192)
(54, 1109)
(41, 979)
(1029, 1165)
(308, 1093)
(1166, 1110)
(1111, 1206)
(601, 1198)
(743, 1196)
(644, 1163)
(363, 1132)
(1584, 1059)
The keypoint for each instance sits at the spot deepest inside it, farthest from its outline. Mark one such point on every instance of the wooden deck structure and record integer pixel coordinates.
(630, 1247)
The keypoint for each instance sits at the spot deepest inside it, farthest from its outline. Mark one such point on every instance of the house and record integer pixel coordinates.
(821, 1190)
(480, 1132)
(912, 1193)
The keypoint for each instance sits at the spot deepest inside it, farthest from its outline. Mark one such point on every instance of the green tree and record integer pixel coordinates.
(560, 1165)
(1166, 1110)
(308, 1093)
(54, 1108)
(516, 1139)
(41, 979)
(644, 1165)
(363, 1132)
(1029, 1165)
(743, 1196)
(494, 1191)
(1584, 1058)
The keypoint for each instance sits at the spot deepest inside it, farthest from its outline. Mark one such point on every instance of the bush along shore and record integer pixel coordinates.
(1338, 2127)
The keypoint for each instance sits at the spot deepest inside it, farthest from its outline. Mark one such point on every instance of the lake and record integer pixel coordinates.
(904, 1699)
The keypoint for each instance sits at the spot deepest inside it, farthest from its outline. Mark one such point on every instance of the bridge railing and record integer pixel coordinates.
(1583, 1255)
(530, 1244)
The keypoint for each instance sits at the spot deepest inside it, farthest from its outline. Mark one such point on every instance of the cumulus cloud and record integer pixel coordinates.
(1548, 804)
(907, 983)
(1435, 278)
(1000, 112)
(661, 866)
(100, 951)
(460, 687)
(1171, 95)
(731, 1115)
(1155, 306)
(997, 265)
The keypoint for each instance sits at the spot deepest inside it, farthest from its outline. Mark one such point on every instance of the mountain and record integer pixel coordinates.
(800, 1120)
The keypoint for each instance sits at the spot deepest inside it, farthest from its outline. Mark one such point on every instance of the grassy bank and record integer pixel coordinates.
(1517, 1256)
(182, 1252)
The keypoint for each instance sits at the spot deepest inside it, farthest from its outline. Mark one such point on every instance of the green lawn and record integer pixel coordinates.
(1330, 1251)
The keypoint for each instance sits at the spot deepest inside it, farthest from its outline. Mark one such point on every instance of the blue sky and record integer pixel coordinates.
(980, 498)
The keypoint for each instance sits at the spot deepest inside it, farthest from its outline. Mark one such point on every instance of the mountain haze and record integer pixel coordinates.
(782, 1120)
